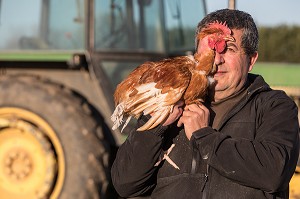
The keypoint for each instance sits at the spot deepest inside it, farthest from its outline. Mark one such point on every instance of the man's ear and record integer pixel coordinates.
(252, 60)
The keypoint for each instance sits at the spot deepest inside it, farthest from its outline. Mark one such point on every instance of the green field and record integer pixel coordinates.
(279, 74)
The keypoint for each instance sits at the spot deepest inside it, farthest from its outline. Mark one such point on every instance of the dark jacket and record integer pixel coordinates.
(252, 155)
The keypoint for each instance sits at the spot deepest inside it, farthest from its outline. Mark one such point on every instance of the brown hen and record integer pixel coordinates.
(154, 87)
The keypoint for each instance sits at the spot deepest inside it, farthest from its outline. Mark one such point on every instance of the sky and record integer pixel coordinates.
(264, 12)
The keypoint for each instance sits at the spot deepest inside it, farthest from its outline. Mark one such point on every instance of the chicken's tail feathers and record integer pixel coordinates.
(117, 116)
(126, 123)
(156, 119)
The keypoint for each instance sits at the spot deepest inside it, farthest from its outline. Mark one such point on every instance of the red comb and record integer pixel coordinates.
(219, 25)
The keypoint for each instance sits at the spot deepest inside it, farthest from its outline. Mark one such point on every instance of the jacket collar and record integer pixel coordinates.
(257, 85)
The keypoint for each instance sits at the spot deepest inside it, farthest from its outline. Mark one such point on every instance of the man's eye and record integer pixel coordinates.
(230, 49)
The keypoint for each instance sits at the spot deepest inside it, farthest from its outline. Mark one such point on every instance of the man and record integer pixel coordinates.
(242, 144)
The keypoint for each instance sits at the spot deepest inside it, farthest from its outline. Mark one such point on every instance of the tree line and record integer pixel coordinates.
(279, 44)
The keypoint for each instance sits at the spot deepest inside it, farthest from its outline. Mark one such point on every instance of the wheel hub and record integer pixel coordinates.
(28, 160)
(18, 165)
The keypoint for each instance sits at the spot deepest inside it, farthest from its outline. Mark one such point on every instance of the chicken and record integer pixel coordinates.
(155, 87)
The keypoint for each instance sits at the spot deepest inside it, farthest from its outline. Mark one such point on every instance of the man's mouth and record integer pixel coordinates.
(219, 73)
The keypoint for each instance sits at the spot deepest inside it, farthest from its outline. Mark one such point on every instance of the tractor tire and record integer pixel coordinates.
(51, 145)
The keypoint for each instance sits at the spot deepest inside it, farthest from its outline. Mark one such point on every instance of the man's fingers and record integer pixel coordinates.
(175, 114)
(197, 108)
(179, 123)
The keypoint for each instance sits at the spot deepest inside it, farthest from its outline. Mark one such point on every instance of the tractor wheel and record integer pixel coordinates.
(49, 147)
(295, 184)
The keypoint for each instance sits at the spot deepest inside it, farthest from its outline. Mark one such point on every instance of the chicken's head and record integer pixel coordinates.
(218, 34)
(213, 39)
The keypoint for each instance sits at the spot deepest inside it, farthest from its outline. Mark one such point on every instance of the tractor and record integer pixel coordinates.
(60, 62)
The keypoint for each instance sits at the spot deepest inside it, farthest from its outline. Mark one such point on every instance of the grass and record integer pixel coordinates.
(279, 74)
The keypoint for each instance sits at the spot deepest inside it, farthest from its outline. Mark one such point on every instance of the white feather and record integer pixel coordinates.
(126, 123)
(117, 116)
(191, 57)
(211, 80)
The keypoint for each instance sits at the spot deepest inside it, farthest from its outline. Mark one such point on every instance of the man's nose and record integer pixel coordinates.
(219, 59)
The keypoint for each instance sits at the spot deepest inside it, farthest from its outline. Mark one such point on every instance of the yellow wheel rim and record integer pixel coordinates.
(295, 184)
(31, 156)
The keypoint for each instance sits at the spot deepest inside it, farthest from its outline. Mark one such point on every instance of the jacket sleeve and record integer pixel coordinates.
(133, 169)
(268, 161)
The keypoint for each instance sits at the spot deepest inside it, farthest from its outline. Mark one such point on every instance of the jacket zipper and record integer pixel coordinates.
(203, 188)
(196, 159)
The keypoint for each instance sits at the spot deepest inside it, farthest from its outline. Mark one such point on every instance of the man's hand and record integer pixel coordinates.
(176, 113)
(194, 117)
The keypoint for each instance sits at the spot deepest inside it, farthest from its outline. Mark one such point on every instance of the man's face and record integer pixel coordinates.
(233, 66)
